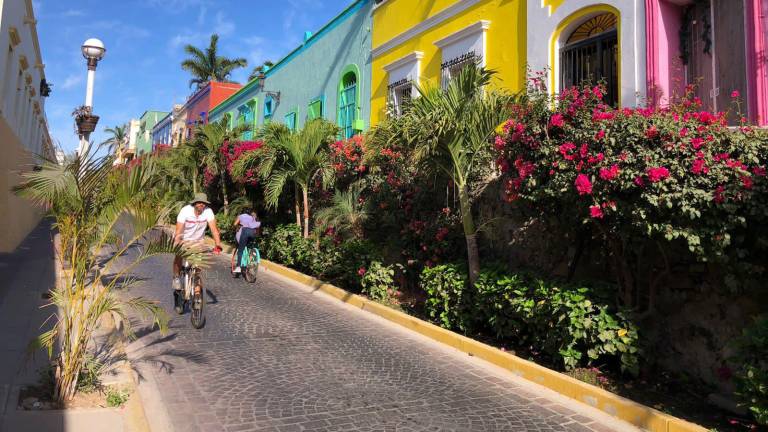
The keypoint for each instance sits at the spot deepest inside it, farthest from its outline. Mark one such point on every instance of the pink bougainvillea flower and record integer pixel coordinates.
(683, 132)
(746, 181)
(719, 194)
(657, 174)
(639, 181)
(498, 143)
(696, 143)
(361, 271)
(609, 174)
(595, 212)
(735, 94)
(758, 171)
(652, 132)
(583, 185)
(699, 167)
(556, 120)
(600, 134)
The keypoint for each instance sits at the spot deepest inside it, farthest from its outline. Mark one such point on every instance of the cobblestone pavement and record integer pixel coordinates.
(276, 357)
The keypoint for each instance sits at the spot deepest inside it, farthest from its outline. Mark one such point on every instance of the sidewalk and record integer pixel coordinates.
(25, 275)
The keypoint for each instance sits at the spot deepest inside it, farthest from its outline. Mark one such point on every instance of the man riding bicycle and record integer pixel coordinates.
(190, 229)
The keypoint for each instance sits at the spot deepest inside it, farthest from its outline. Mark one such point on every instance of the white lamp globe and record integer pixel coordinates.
(93, 49)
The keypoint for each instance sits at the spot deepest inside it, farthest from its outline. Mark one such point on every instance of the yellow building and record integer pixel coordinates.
(427, 41)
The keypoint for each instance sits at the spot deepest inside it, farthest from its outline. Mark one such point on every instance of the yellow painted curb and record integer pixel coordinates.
(617, 406)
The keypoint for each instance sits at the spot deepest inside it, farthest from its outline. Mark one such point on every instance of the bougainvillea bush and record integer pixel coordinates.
(640, 179)
(232, 151)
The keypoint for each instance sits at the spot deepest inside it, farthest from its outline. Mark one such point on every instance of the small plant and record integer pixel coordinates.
(378, 281)
(90, 375)
(117, 397)
(593, 376)
(82, 111)
(446, 286)
(752, 372)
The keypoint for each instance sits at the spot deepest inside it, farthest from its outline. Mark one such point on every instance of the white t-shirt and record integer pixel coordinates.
(194, 225)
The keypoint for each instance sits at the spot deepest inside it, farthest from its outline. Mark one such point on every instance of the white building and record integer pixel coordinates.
(125, 154)
(24, 136)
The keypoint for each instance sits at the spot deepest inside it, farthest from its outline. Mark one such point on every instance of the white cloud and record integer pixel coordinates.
(223, 27)
(72, 81)
(73, 13)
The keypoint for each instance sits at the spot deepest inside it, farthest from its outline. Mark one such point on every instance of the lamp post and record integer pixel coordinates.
(93, 50)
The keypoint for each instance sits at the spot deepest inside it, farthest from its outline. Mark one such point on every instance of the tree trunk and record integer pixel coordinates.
(473, 256)
(194, 182)
(223, 180)
(297, 200)
(305, 192)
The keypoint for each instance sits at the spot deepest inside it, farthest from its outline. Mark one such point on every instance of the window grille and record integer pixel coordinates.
(450, 69)
(399, 95)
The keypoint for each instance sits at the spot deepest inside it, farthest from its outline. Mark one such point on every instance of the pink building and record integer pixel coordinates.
(719, 45)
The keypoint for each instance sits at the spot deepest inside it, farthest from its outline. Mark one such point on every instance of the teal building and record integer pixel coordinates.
(147, 122)
(328, 75)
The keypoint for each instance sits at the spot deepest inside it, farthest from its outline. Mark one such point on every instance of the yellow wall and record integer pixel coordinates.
(506, 41)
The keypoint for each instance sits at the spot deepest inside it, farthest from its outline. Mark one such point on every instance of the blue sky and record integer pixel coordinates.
(145, 41)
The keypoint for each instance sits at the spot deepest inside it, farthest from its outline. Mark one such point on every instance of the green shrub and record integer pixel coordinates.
(378, 281)
(446, 287)
(90, 375)
(571, 324)
(752, 371)
(287, 246)
(117, 397)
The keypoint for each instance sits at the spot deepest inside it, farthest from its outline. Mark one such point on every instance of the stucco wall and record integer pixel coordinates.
(543, 43)
(314, 71)
(403, 27)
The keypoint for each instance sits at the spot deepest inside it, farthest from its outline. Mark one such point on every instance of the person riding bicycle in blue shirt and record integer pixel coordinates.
(249, 224)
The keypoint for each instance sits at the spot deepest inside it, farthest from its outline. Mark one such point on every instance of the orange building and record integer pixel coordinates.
(197, 107)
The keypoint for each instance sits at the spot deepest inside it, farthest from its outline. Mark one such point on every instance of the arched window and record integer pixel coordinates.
(348, 104)
(591, 54)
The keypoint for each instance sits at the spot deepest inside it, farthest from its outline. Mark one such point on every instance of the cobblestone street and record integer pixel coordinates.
(273, 356)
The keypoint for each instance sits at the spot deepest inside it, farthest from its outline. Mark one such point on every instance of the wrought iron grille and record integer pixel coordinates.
(594, 59)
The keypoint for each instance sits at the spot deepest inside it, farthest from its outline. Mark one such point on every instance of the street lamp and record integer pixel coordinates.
(93, 50)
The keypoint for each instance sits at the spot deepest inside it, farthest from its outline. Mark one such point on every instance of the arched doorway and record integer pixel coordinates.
(590, 53)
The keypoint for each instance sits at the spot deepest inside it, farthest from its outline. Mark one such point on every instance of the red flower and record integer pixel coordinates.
(657, 174)
(441, 234)
(717, 195)
(699, 167)
(600, 135)
(735, 94)
(498, 143)
(556, 120)
(746, 181)
(758, 171)
(609, 174)
(583, 185)
(639, 181)
(652, 132)
(566, 149)
(595, 212)
(361, 271)
(697, 143)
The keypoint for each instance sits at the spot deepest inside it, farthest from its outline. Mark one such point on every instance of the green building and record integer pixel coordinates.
(147, 121)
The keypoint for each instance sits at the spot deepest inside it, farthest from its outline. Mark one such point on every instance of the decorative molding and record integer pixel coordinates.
(13, 32)
(30, 20)
(40, 66)
(410, 58)
(425, 25)
(470, 30)
(28, 79)
(23, 62)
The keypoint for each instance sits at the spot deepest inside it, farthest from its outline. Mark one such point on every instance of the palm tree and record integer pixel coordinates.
(260, 69)
(301, 158)
(118, 139)
(97, 209)
(449, 130)
(347, 212)
(207, 147)
(206, 66)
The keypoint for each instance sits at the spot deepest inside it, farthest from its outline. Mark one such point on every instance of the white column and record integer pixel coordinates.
(89, 88)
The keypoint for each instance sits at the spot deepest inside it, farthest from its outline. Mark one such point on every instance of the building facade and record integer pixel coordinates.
(719, 45)
(24, 136)
(124, 154)
(427, 43)
(147, 121)
(198, 107)
(327, 76)
(162, 133)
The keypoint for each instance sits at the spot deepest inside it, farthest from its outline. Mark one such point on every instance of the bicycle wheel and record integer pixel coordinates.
(197, 307)
(252, 268)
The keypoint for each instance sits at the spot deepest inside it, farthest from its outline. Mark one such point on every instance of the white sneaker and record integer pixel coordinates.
(177, 283)
(237, 270)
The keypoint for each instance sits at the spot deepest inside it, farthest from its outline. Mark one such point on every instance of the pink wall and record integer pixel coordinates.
(665, 74)
(757, 34)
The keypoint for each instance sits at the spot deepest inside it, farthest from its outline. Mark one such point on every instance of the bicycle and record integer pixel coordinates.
(191, 277)
(249, 263)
